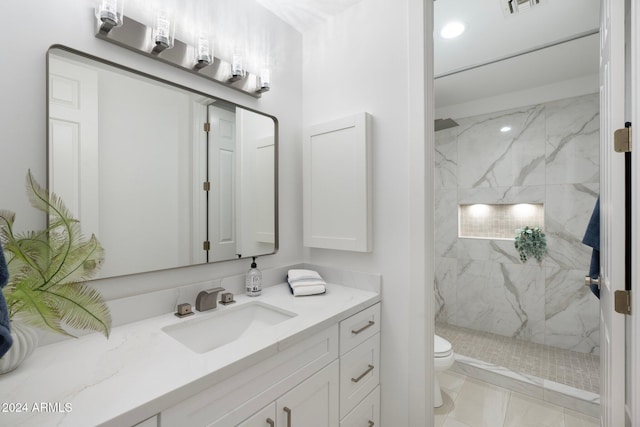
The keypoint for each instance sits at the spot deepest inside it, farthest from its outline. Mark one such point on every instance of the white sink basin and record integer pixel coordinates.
(226, 324)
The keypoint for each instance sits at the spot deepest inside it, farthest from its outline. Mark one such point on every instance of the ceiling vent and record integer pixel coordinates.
(514, 7)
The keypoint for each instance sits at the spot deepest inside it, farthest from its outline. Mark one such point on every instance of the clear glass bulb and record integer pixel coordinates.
(110, 12)
(163, 30)
(265, 78)
(236, 66)
(203, 51)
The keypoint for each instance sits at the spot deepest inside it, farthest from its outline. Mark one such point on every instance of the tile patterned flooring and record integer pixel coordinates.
(472, 403)
(578, 370)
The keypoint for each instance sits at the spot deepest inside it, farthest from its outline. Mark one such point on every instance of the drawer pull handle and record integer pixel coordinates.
(288, 411)
(369, 369)
(371, 423)
(271, 422)
(368, 325)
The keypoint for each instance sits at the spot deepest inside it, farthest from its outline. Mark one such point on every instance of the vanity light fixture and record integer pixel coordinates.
(264, 82)
(505, 129)
(452, 30)
(204, 55)
(197, 59)
(110, 13)
(163, 31)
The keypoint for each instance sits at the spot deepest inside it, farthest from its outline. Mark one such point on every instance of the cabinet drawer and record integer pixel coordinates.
(366, 414)
(359, 373)
(359, 327)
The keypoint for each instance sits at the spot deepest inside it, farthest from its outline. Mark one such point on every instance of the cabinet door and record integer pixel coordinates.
(266, 417)
(313, 403)
(337, 202)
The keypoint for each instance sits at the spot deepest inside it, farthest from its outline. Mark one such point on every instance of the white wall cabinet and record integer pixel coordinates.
(337, 184)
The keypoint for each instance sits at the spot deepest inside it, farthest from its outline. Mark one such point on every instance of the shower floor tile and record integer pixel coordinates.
(578, 370)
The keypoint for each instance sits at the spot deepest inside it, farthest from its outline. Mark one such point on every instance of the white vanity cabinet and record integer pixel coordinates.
(329, 379)
(237, 398)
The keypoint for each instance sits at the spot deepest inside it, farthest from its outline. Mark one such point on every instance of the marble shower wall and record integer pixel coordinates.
(550, 156)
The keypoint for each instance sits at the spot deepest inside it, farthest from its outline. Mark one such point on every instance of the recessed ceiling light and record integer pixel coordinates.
(452, 30)
(505, 129)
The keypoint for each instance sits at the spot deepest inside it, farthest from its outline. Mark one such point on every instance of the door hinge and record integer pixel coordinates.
(622, 139)
(206, 245)
(207, 127)
(622, 302)
(206, 186)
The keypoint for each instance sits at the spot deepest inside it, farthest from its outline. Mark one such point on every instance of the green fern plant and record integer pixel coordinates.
(531, 242)
(48, 269)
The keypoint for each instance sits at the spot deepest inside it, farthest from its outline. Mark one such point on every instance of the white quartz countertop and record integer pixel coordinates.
(140, 370)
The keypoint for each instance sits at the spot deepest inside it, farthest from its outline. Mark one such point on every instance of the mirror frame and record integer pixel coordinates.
(184, 88)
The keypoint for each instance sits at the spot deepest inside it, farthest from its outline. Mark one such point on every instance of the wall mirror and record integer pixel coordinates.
(164, 176)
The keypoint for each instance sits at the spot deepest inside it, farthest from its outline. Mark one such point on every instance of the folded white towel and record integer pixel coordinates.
(306, 282)
(299, 274)
(304, 278)
(309, 290)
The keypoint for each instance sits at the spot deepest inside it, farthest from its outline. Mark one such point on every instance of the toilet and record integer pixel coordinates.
(442, 360)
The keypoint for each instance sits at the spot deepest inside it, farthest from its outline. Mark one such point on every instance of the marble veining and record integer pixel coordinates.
(550, 156)
(490, 158)
(573, 153)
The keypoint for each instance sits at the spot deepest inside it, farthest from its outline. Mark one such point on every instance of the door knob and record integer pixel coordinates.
(588, 281)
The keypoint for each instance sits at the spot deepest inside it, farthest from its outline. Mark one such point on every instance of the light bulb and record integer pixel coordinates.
(237, 71)
(110, 14)
(265, 80)
(163, 31)
(204, 55)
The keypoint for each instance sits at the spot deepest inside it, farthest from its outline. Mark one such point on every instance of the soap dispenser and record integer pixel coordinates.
(254, 280)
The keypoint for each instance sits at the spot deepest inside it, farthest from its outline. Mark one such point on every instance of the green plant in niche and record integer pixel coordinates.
(48, 269)
(531, 242)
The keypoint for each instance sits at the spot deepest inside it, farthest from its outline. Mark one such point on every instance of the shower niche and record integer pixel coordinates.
(497, 221)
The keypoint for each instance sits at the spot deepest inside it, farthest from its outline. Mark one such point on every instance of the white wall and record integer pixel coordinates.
(35, 25)
(371, 58)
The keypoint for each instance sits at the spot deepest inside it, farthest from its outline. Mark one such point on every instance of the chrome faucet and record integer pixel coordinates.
(208, 300)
